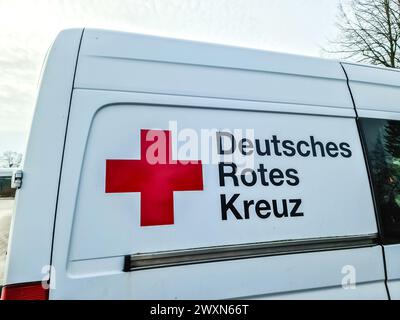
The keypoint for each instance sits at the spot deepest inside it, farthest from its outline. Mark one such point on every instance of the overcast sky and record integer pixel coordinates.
(27, 28)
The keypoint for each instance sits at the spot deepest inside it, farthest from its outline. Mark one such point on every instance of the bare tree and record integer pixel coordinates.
(369, 32)
(12, 159)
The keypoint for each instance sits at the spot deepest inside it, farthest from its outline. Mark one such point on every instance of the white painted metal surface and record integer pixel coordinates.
(93, 217)
(392, 258)
(261, 278)
(130, 62)
(376, 90)
(32, 225)
(344, 208)
(125, 83)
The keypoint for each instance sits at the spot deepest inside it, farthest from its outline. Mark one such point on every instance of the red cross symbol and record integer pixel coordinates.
(156, 176)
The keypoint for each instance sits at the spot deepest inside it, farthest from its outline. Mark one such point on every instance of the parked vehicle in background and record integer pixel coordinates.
(6, 191)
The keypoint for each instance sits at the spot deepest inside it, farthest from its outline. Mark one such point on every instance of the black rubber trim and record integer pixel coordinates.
(234, 252)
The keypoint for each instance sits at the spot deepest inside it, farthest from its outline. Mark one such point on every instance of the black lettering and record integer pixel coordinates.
(284, 212)
(276, 177)
(345, 147)
(225, 206)
(293, 178)
(294, 212)
(263, 173)
(220, 144)
(246, 173)
(300, 151)
(247, 204)
(245, 144)
(288, 145)
(261, 206)
(267, 150)
(223, 174)
(314, 145)
(332, 149)
(276, 143)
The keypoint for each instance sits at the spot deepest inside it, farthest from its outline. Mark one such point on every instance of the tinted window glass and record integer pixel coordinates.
(382, 141)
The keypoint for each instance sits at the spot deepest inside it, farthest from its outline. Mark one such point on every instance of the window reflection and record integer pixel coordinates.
(382, 141)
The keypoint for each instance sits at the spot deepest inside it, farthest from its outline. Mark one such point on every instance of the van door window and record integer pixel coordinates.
(382, 141)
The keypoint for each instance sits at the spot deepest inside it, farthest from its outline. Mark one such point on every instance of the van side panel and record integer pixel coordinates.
(376, 90)
(129, 83)
(32, 226)
(87, 269)
(316, 275)
(392, 254)
(148, 64)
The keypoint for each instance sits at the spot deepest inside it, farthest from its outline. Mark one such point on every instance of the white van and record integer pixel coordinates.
(169, 169)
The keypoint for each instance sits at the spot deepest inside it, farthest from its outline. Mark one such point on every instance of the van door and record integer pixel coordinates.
(174, 197)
